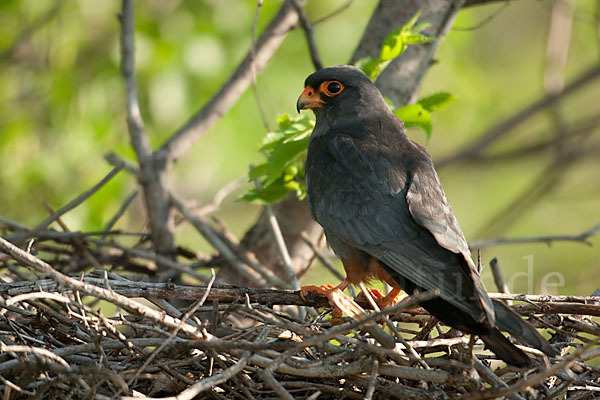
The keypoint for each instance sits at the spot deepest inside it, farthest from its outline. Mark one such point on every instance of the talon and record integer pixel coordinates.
(327, 290)
(375, 294)
(323, 289)
(393, 297)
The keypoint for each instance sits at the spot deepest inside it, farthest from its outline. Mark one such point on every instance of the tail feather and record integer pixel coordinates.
(511, 322)
(503, 348)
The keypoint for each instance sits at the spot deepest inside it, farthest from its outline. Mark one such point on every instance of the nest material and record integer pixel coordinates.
(104, 335)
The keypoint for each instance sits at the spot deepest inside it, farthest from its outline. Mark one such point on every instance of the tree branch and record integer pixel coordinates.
(581, 238)
(496, 132)
(266, 45)
(307, 27)
(401, 79)
(153, 177)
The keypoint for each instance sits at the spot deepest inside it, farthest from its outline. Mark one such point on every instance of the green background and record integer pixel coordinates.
(62, 109)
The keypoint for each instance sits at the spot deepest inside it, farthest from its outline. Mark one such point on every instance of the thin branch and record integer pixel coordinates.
(499, 278)
(307, 27)
(221, 194)
(531, 380)
(201, 122)
(543, 298)
(484, 22)
(205, 384)
(580, 238)
(204, 228)
(109, 295)
(71, 205)
(261, 110)
(496, 132)
(152, 175)
(280, 242)
(31, 29)
(334, 13)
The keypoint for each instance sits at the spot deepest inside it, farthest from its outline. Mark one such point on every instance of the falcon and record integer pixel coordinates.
(381, 204)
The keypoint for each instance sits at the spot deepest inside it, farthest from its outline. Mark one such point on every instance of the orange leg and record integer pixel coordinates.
(384, 301)
(326, 290)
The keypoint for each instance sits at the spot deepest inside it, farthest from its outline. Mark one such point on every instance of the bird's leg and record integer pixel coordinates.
(327, 290)
(384, 301)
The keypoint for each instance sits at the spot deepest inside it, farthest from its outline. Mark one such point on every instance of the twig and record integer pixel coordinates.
(205, 384)
(496, 132)
(532, 380)
(206, 231)
(30, 29)
(261, 110)
(499, 278)
(283, 251)
(334, 13)
(372, 380)
(23, 236)
(546, 298)
(307, 27)
(484, 22)
(321, 257)
(581, 238)
(173, 334)
(201, 122)
(124, 302)
(221, 194)
(270, 380)
(111, 223)
(153, 174)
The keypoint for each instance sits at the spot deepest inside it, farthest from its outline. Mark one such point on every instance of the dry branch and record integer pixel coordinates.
(256, 350)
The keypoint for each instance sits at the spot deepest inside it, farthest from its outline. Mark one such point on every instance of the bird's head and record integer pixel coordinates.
(340, 91)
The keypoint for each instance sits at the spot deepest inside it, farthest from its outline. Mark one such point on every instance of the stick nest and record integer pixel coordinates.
(71, 330)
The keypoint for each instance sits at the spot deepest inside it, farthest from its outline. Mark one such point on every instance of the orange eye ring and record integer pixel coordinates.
(331, 88)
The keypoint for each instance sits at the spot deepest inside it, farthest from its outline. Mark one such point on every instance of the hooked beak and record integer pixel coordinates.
(308, 99)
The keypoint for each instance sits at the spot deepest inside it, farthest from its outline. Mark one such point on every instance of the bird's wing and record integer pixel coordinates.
(363, 201)
(429, 207)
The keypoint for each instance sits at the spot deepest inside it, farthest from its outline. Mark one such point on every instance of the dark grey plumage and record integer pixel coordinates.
(377, 195)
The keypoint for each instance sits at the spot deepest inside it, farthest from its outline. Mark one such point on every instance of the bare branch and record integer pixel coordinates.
(201, 122)
(580, 238)
(307, 27)
(71, 205)
(496, 132)
(131, 306)
(401, 79)
(499, 278)
(153, 178)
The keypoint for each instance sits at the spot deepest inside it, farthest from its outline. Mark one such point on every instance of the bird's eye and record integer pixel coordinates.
(332, 88)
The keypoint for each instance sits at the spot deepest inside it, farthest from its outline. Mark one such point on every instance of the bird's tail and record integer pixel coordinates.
(503, 348)
(511, 322)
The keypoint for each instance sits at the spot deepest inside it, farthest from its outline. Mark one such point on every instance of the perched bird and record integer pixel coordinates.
(380, 202)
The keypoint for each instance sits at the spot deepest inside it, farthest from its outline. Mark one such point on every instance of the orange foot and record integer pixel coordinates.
(332, 293)
(394, 296)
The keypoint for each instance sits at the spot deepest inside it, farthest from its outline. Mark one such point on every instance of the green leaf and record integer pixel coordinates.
(282, 156)
(372, 67)
(412, 21)
(290, 129)
(437, 101)
(393, 45)
(257, 172)
(417, 38)
(284, 120)
(415, 115)
(269, 194)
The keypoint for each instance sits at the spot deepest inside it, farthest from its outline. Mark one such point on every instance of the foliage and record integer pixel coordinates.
(283, 171)
(286, 148)
(395, 43)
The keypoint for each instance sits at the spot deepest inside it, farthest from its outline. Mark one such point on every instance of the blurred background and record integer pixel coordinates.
(62, 110)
